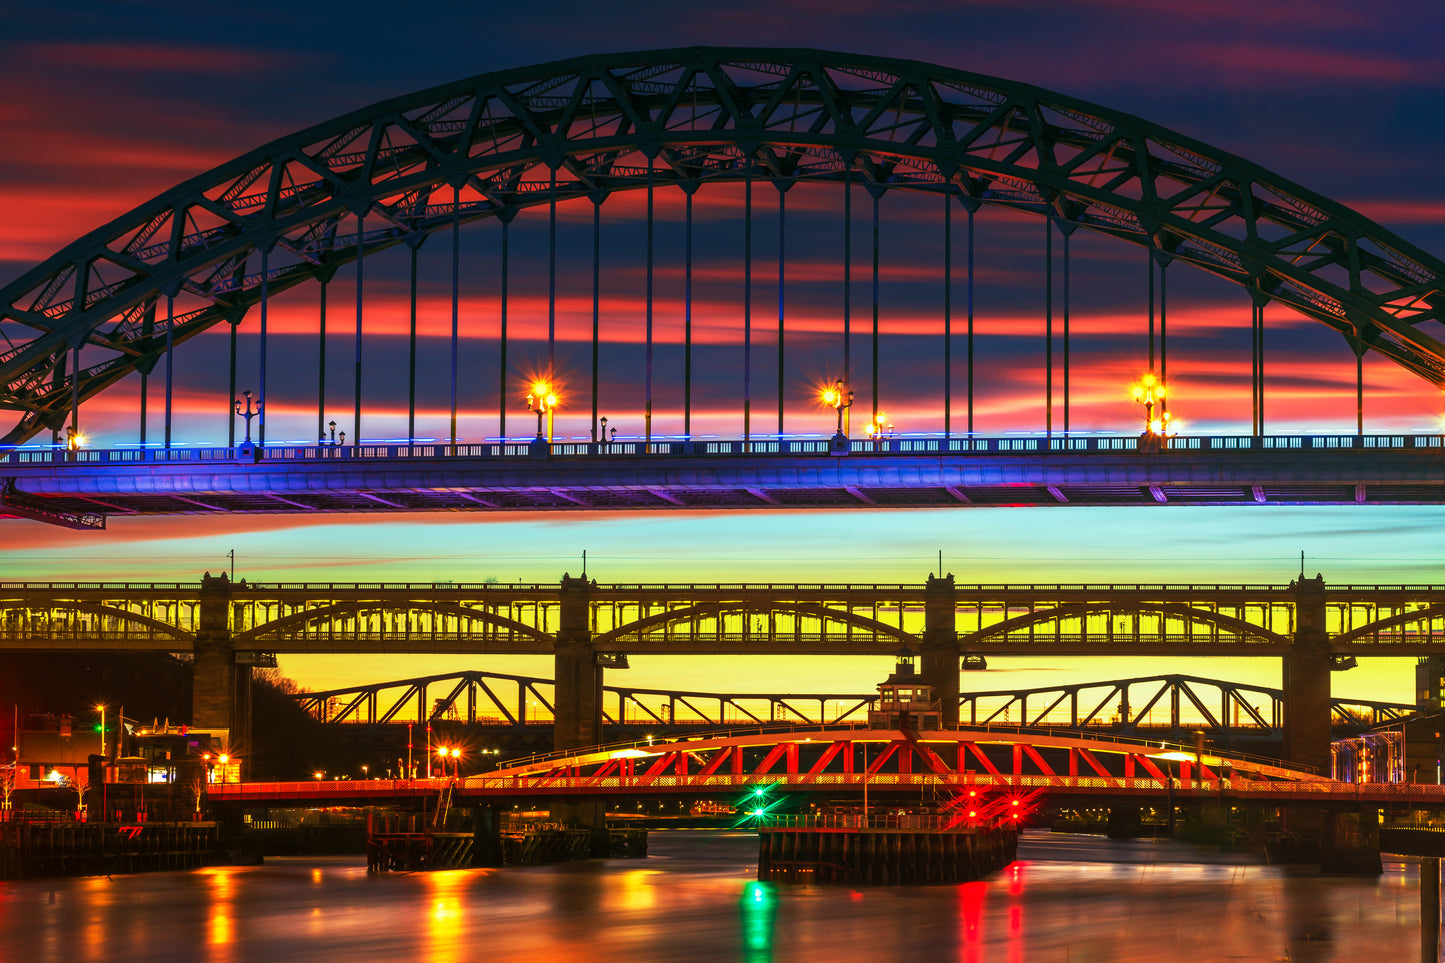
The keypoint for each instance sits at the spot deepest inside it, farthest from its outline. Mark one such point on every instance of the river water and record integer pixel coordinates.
(1068, 898)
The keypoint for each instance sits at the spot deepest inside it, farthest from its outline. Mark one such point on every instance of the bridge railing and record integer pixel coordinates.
(1233, 786)
(927, 822)
(524, 449)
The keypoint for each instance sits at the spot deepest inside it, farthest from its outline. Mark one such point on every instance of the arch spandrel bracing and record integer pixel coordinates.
(687, 116)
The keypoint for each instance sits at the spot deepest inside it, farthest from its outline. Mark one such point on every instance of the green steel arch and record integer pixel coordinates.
(491, 145)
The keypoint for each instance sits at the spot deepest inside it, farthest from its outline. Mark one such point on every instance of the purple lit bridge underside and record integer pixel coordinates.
(80, 489)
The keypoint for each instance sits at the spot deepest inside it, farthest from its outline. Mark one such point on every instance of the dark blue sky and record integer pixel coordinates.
(109, 104)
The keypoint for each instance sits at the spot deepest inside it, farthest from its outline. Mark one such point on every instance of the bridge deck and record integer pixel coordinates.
(949, 763)
(813, 619)
(87, 485)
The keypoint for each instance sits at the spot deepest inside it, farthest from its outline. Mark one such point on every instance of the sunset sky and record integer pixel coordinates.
(108, 105)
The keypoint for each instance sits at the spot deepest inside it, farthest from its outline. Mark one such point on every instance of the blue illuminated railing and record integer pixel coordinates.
(721, 448)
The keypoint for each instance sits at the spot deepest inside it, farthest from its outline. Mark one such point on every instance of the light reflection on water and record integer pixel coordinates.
(695, 900)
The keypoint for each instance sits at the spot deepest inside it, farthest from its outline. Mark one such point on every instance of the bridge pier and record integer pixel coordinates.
(577, 710)
(1306, 685)
(1307, 722)
(220, 689)
(577, 700)
(938, 662)
(486, 836)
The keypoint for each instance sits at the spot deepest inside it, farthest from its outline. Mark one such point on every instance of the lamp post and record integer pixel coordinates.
(332, 442)
(541, 400)
(879, 429)
(1174, 755)
(455, 755)
(840, 397)
(248, 413)
(1149, 392)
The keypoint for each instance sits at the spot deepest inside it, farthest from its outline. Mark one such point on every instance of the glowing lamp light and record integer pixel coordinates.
(631, 754)
(838, 397)
(542, 398)
(1150, 391)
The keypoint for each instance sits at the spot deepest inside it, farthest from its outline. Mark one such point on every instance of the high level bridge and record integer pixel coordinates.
(588, 627)
(728, 420)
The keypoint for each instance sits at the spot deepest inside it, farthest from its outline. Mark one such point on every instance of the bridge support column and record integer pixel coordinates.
(1307, 722)
(578, 701)
(220, 689)
(938, 664)
(578, 692)
(486, 836)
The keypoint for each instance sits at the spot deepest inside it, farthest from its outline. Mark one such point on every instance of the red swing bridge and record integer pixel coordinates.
(933, 768)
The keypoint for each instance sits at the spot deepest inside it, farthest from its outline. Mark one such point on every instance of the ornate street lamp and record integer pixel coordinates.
(541, 400)
(841, 398)
(1149, 392)
(332, 442)
(880, 428)
(248, 413)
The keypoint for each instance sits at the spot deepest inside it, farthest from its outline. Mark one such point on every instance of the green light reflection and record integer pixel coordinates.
(759, 906)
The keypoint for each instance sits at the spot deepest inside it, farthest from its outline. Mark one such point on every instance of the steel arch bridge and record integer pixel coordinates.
(1169, 704)
(927, 765)
(214, 249)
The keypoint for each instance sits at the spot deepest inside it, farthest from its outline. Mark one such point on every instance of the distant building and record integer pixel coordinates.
(905, 700)
(1430, 682)
(1408, 750)
(52, 749)
(161, 753)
